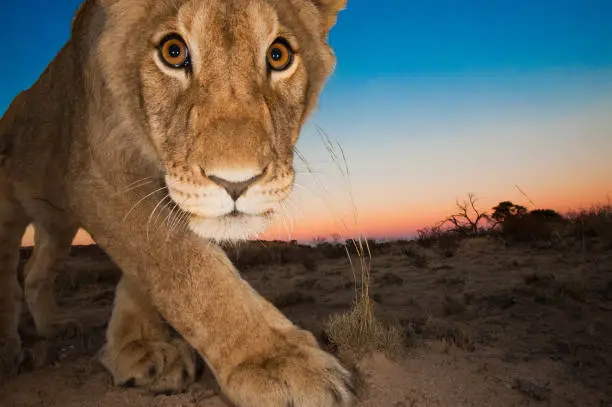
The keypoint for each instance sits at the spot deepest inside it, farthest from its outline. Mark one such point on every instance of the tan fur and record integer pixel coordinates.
(111, 140)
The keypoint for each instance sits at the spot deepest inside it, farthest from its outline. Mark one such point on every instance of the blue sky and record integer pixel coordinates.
(394, 39)
(430, 100)
(400, 38)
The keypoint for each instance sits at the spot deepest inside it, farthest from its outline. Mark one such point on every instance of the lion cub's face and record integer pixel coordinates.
(225, 86)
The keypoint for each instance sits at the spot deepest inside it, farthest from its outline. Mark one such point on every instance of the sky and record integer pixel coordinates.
(430, 100)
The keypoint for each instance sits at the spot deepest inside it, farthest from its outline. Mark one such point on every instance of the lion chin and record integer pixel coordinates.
(232, 227)
(220, 215)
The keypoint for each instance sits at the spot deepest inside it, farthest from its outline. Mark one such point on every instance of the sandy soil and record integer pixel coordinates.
(490, 326)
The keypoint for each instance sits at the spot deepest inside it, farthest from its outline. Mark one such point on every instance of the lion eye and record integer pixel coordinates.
(173, 51)
(280, 55)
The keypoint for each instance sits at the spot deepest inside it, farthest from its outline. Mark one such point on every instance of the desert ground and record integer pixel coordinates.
(483, 323)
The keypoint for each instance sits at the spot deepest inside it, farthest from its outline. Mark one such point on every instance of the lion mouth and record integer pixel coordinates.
(235, 214)
(232, 226)
(213, 214)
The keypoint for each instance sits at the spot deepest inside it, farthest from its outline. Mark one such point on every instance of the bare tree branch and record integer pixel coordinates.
(468, 218)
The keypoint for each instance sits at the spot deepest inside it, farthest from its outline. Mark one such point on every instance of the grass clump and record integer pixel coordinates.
(358, 332)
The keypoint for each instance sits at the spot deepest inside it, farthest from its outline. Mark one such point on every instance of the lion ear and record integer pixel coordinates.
(329, 11)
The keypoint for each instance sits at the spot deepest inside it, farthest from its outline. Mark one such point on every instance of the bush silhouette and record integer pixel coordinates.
(519, 224)
(506, 209)
(526, 228)
(549, 215)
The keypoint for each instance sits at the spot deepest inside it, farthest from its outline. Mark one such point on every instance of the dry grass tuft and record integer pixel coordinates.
(357, 332)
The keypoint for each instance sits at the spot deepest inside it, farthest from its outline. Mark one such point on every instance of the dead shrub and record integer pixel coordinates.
(595, 222)
(448, 243)
(446, 240)
(428, 236)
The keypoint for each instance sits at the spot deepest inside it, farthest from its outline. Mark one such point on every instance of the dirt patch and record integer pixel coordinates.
(491, 325)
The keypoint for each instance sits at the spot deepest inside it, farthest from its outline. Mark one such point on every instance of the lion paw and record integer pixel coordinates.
(162, 367)
(300, 376)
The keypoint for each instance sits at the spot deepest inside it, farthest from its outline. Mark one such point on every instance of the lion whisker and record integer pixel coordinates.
(141, 200)
(134, 185)
(177, 218)
(153, 212)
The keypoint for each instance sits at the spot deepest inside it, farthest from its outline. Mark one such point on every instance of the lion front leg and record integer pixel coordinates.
(259, 358)
(51, 248)
(140, 350)
(13, 222)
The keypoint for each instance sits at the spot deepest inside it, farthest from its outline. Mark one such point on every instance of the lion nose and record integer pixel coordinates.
(233, 187)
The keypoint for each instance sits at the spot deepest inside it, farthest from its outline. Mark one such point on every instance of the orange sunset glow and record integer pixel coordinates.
(457, 112)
